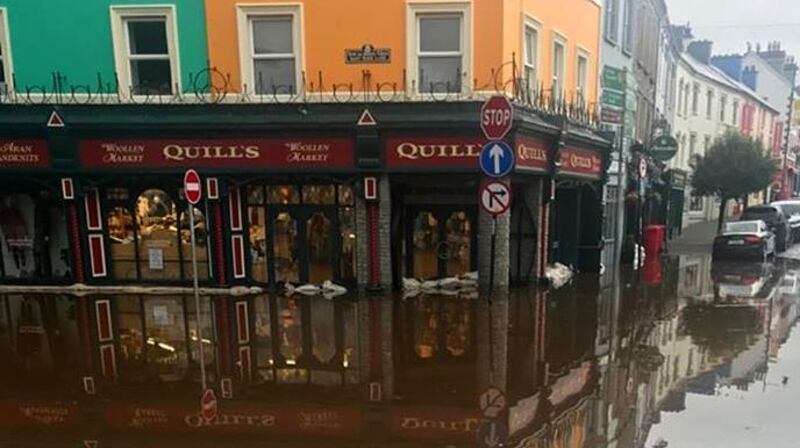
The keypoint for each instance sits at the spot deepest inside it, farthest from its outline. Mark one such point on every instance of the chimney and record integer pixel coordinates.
(750, 77)
(789, 68)
(701, 50)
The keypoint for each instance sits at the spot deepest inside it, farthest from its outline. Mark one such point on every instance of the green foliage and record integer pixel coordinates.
(734, 167)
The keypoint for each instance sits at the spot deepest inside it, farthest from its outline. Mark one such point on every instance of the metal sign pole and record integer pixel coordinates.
(491, 257)
(197, 299)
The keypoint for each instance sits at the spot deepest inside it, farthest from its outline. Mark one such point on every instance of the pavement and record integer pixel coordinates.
(696, 238)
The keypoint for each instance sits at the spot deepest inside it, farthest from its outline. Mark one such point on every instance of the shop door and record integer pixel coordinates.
(305, 240)
(440, 241)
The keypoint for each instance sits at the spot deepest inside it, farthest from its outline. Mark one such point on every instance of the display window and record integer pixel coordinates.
(302, 233)
(34, 243)
(150, 237)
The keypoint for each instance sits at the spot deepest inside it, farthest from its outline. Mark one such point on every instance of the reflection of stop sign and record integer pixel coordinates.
(191, 187)
(208, 405)
(496, 117)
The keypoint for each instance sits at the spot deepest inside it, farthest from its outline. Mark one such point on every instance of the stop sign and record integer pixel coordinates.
(191, 187)
(208, 404)
(496, 117)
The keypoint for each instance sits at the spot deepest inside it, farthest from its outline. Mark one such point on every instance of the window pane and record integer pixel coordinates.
(319, 194)
(152, 77)
(147, 37)
(440, 74)
(272, 35)
(530, 46)
(440, 33)
(347, 227)
(287, 267)
(275, 76)
(319, 238)
(201, 240)
(158, 236)
(258, 243)
(283, 194)
(123, 251)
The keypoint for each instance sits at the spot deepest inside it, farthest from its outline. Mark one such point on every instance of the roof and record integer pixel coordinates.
(719, 77)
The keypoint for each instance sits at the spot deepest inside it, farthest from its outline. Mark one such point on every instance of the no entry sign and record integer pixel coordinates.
(192, 187)
(495, 197)
(496, 117)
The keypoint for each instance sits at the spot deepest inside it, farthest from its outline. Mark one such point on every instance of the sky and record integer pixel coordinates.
(730, 24)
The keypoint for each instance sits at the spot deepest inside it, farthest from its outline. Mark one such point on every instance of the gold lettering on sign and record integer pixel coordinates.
(466, 425)
(307, 152)
(525, 152)
(260, 420)
(13, 153)
(321, 419)
(413, 151)
(115, 153)
(180, 153)
(580, 162)
(48, 415)
(143, 417)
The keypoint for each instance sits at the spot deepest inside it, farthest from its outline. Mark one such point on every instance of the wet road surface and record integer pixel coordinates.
(684, 353)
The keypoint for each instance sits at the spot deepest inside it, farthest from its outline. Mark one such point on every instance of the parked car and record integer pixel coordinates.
(740, 239)
(776, 221)
(791, 209)
(737, 281)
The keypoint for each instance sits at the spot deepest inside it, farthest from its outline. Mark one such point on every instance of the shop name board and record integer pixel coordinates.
(239, 153)
(24, 154)
(432, 423)
(580, 162)
(531, 155)
(445, 152)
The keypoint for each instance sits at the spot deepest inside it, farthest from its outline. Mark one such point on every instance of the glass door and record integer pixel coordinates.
(305, 244)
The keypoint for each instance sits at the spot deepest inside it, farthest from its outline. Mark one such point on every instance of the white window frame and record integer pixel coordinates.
(245, 13)
(532, 24)
(413, 12)
(119, 15)
(5, 43)
(560, 40)
(581, 53)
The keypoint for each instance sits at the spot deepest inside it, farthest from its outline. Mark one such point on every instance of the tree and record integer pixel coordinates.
(734, 166)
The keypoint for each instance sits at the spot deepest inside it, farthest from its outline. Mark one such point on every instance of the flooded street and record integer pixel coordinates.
(684, 353)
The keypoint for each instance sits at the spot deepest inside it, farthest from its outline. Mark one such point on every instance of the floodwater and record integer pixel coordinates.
(684, 353)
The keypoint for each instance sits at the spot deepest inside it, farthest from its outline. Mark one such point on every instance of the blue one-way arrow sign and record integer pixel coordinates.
(497, 159)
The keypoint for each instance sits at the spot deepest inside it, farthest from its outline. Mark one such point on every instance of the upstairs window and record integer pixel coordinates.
(439, 47)
(612, 20)
(5, 56)
(531, 61)
(270, 39)
(440, 53)
(735, 115)
(627, 27)
(581, 75)
(709, 104)
(695, 98)
(145, 50)
(559, 50)
(723, 104)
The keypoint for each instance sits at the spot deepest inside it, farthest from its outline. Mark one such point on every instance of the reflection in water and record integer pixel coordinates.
(655, 361)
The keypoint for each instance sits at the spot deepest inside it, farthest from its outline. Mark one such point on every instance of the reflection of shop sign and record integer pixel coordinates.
(447, 152)
(531, 154)
(24, 154)
(580, 162)
(36, 414)
(239, 153)
(239, 419)
(430, 423)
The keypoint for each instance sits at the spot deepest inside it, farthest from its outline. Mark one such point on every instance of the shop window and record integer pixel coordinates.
(5, 56)
(270, 48)
(287, 266)
(201, 243)
(320, 248)
(696, 204)
(347, 227)
(319, 194)
(459, 240)
(426, 237)
(145, 49)
(157, 222)
(121, 233)
(165, 336)
(283, 194)
(258, 243)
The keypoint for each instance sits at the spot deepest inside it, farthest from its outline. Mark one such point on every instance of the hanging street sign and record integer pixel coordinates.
(613, 98)
(612, 79)
(495, 197)
(497, 115)
(492, 402)
(192, 187)
(497, 159)
(208, 405)
(611, 116)
(664, 148)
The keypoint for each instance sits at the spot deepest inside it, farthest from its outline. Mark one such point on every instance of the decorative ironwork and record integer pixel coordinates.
(212, 86)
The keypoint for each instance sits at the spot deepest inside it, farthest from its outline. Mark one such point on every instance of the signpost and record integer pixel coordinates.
(496, 117)
(193, 191)
(664, 148)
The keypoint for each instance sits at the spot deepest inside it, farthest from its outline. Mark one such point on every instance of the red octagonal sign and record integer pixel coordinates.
(192, 187)
(496, 117)
(208, 405)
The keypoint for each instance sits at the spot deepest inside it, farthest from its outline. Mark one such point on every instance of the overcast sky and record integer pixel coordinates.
(732, 23)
